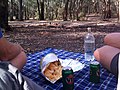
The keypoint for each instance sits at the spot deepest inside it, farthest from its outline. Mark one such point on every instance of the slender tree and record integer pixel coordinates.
(66, 11)
(70, 9)
(108, 9)
(20, 17)
(42, 10)
(119, 11)
(38, 9)
(11, 10)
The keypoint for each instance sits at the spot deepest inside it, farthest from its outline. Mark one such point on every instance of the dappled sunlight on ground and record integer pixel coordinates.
(36, 35)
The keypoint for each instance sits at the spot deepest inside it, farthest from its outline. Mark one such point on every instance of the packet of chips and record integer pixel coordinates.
(51, 67)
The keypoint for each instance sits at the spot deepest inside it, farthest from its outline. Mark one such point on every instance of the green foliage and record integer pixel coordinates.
(54, 9)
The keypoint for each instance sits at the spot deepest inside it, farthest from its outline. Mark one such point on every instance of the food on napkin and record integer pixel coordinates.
(51, 67)
(53, 71)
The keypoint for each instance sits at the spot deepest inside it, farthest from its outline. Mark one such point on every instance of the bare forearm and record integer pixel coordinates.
(19, 61)
(8, 50)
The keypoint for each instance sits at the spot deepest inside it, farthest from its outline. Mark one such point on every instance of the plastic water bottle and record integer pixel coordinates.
(89, 45)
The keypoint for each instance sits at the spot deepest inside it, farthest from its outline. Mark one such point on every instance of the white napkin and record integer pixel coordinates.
(74, 64)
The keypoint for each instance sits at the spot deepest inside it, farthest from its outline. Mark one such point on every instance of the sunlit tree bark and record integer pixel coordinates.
(38, 9)
(20, 11)
(108, 9)
(66, 11)
(11, 10)
(42, 10)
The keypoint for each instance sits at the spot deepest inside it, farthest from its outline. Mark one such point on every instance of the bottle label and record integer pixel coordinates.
(89, 41)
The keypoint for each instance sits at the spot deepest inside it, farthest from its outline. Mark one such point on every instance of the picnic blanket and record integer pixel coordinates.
(81, 78)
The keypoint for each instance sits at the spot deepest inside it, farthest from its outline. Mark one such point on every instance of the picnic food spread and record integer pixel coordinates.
(51, 67)
(53, 71)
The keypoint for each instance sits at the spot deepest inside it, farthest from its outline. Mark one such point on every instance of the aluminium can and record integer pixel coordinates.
(94, 72)
(67, 78)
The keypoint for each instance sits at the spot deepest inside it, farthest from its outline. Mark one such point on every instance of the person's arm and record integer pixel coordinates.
(8, 50)
(19, 61)
(12, 52)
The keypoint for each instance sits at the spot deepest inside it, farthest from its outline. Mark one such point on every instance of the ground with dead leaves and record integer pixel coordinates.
(35, 35)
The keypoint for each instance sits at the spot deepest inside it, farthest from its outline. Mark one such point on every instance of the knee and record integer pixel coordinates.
(97, 55)
(107, 38)
(23, 56)
(22, 59)
(110, 38)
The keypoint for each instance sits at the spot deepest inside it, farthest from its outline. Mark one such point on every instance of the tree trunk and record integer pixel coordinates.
(17, 10)
(108, 9)
(119, 11)
(20, 11)
(74, 9)
(70, 10)
(4, 14)
(25, 10)
(11, 10)
(96, 7)
(56, 13)
(104, 11)
(42, 10)
(38, 9)
(66, 11)
(78, 10)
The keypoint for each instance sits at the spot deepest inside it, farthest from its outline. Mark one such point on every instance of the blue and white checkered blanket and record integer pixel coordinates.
(81, 78)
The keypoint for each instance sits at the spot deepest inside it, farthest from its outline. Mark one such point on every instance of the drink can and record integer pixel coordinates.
(67, 78)
(94, 72)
